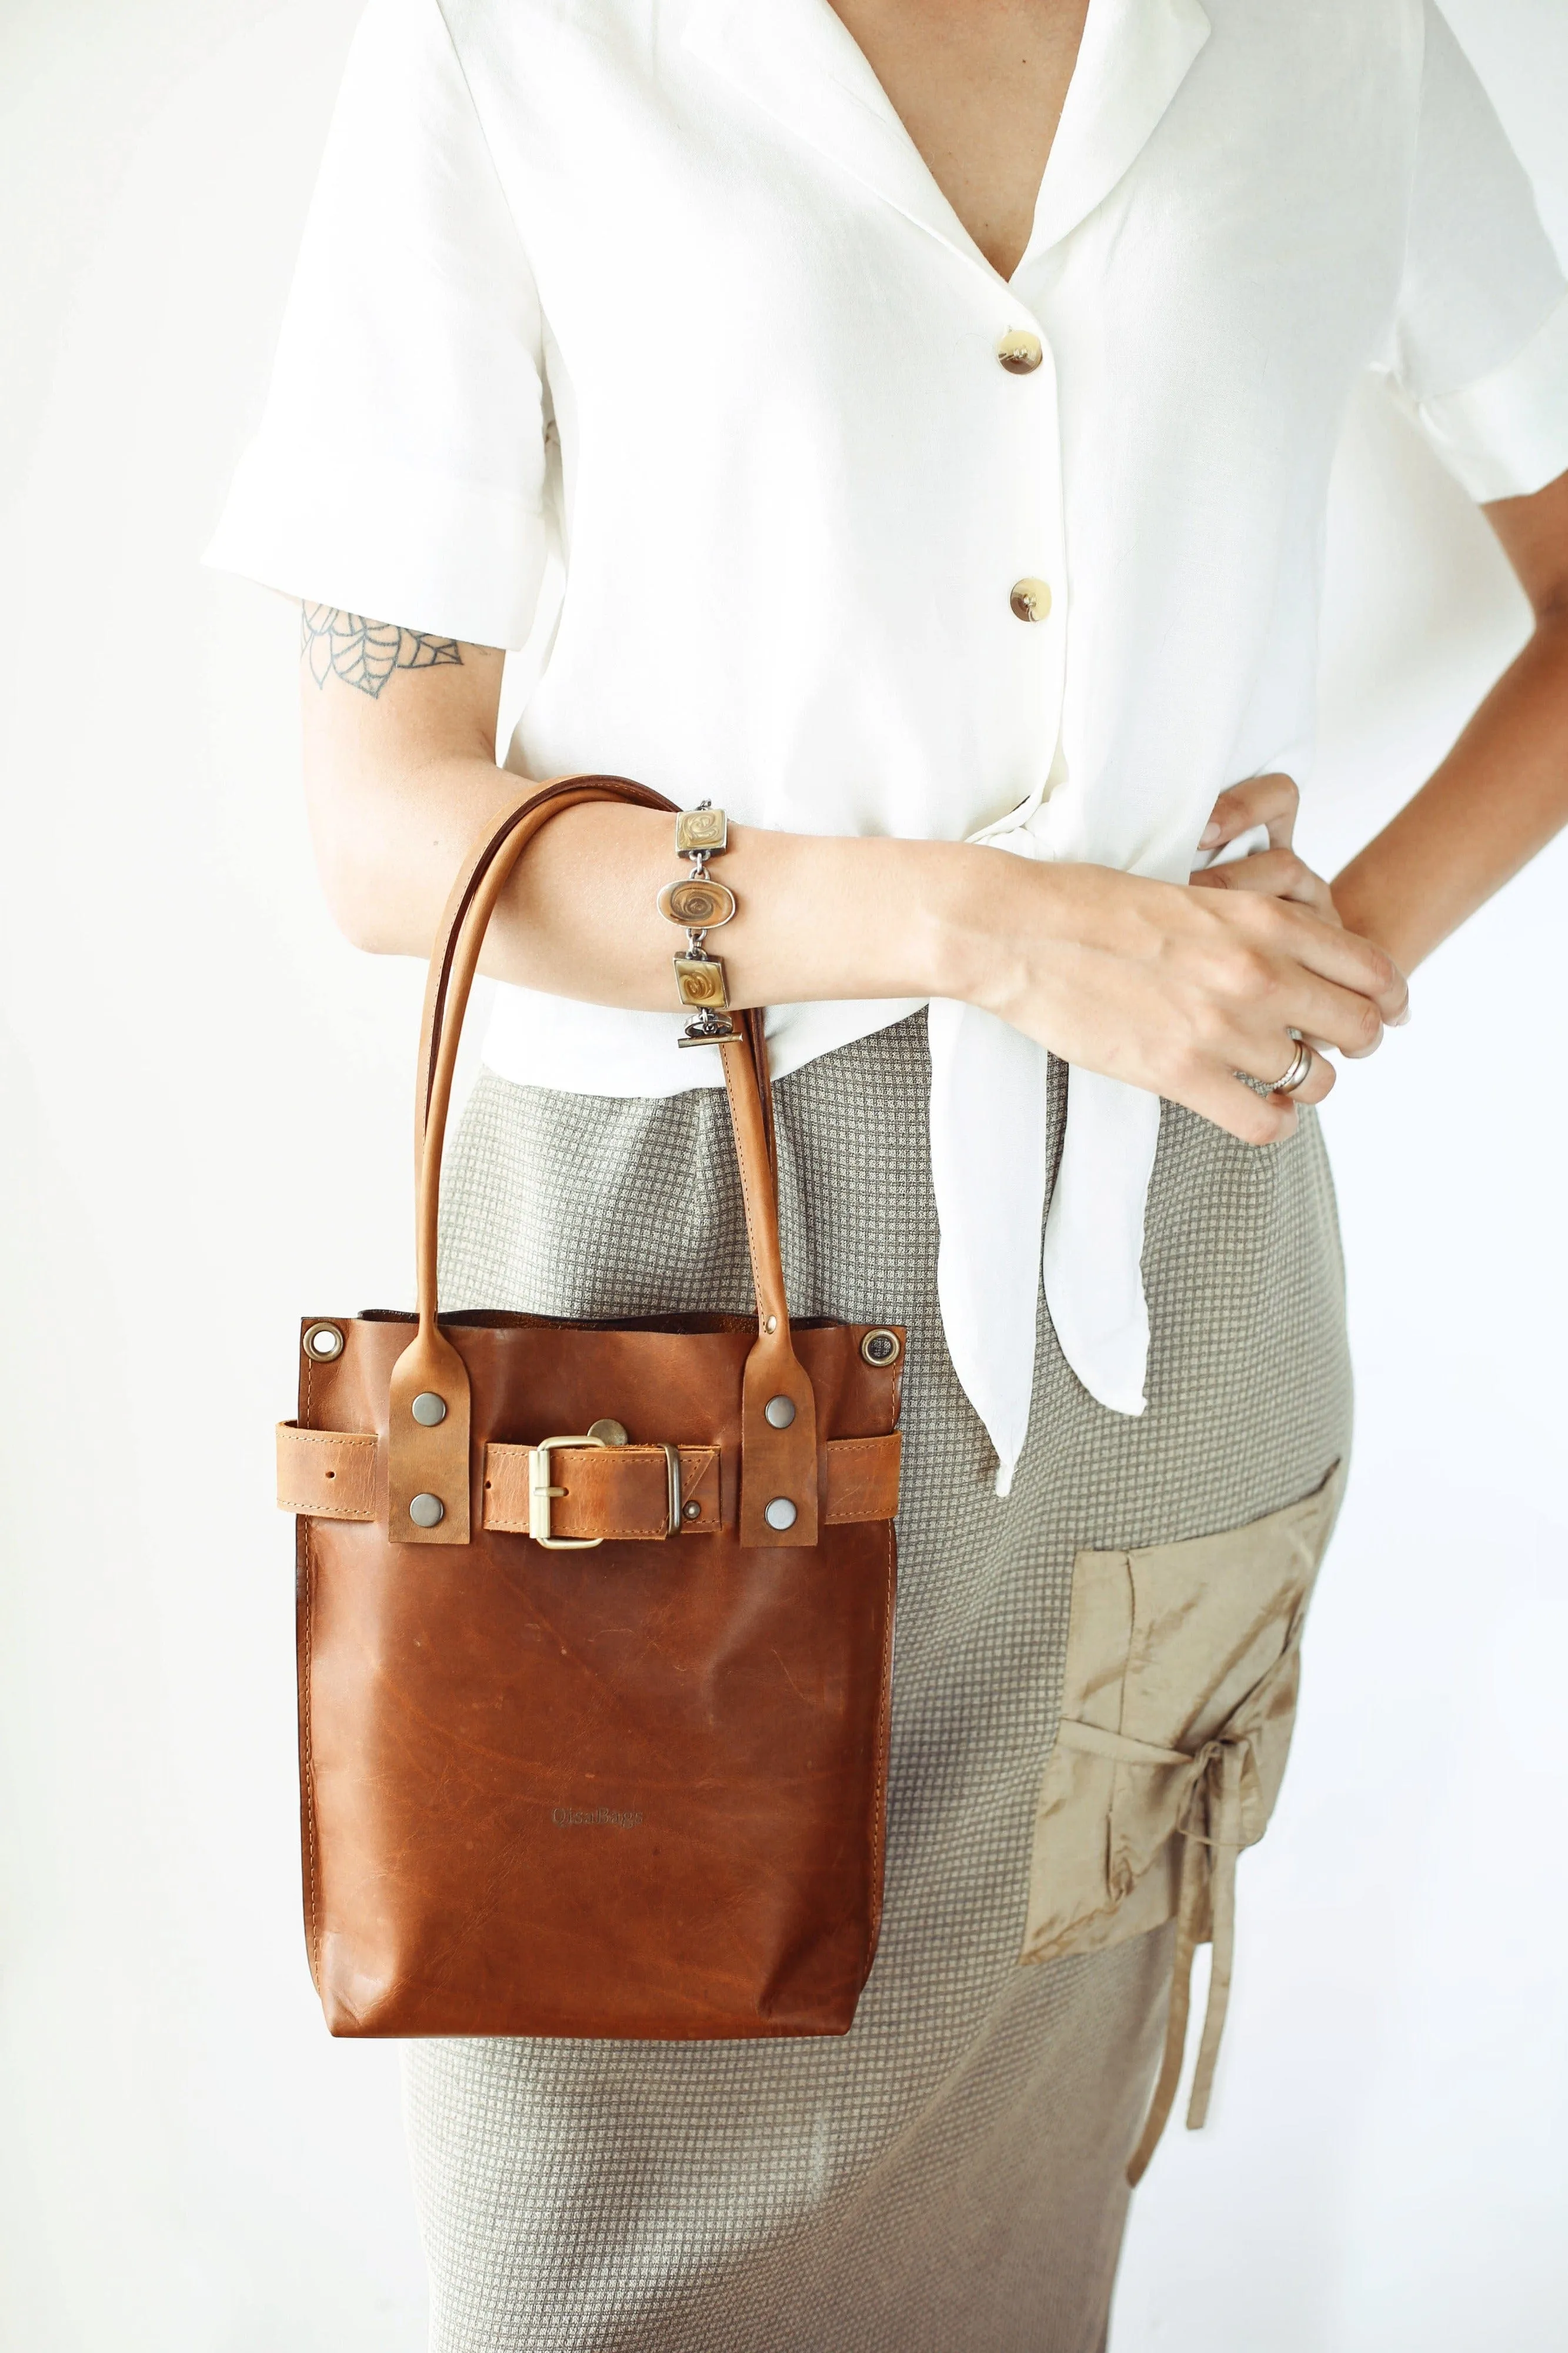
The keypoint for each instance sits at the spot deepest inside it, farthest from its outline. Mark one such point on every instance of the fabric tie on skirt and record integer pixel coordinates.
(1212, 1798)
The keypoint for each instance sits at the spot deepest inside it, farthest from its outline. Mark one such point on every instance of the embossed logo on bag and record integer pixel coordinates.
(582, 1818)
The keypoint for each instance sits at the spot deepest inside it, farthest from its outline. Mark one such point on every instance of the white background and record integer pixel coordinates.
(206, 1132)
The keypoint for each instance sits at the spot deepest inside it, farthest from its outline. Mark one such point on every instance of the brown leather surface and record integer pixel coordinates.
(620, 1492)
(775, 1464)
(428, 1461)
(860, 1479)
(325, 1474)
(457, 1701)
(632, 1792)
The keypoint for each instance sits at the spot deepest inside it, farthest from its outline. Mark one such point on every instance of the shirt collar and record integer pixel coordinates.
(1135, 57)
(795, 59)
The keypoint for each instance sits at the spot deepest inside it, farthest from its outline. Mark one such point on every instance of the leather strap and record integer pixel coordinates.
(618, 1493)
(752, 1024)
(778, 1466)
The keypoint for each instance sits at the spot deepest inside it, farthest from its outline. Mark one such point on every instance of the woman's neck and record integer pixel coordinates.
(979, 86)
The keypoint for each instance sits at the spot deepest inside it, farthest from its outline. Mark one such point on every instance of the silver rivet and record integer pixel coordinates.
(881, 1348)
(780, 1411)
(781, 1512)
(323, 1341)
(772, 1325)
(427, 1511)
(693, 1510)
(428, 1409)
(609, 1433)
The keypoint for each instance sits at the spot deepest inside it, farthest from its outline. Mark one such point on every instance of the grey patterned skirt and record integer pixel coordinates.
(948, 2178)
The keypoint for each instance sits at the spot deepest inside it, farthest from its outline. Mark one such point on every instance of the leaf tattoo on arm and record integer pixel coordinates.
(364, 653)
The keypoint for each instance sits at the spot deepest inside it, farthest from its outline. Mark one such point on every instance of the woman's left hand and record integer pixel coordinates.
(1270, 801)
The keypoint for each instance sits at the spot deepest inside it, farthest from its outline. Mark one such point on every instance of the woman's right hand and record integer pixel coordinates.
(1173, 989)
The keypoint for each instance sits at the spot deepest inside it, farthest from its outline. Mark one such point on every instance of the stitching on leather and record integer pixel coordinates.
(845, 1516)
(607, 1536)
(319, 1509)
(307, 1712)
(884, 1726)
(707, 1457)
(729, 1089)
(353, 1444)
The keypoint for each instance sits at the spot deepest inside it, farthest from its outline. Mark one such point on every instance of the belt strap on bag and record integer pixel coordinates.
(433, 1459)
(1219, 1811)
(608, 1495)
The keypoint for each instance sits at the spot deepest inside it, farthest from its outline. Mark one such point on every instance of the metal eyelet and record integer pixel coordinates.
(323, 1343)
(881, 1348)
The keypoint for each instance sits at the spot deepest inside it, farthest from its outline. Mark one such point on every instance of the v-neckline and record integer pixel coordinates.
(798, 61)
(887, 105)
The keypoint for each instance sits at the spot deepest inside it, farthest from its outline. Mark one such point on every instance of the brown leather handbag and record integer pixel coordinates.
(595, 1626)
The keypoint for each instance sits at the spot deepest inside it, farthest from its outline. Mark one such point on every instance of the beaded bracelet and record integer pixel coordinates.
(700, 904)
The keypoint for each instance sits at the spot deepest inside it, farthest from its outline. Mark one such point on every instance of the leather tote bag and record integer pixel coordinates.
(595, 1626)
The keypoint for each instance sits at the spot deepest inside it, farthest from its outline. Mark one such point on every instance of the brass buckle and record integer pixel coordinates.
(541, 1494)
(672, 1463)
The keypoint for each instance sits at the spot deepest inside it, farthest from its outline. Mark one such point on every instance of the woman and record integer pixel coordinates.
(908, 426)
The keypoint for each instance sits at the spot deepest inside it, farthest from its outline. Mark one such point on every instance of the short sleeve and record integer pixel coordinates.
(400, 466)
(1480, 335)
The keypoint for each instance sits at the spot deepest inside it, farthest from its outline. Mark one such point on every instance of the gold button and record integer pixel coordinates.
(1019, 352)
(1030, 599)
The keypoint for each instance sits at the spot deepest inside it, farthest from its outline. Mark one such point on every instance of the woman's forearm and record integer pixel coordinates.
(1498, 798)
(1174, 989)
(817, 918)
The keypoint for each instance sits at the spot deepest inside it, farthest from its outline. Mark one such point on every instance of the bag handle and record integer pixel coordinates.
(430, 1463)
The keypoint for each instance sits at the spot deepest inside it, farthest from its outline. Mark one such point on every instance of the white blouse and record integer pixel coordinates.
(662, 290)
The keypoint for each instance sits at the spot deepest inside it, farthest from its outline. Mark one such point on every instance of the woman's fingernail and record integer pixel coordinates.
(1210, 836)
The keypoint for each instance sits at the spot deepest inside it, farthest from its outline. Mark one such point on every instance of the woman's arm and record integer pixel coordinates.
(1502, 792)
(1171, 989)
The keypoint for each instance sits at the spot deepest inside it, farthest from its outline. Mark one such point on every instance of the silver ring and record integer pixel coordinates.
(1300, 1071)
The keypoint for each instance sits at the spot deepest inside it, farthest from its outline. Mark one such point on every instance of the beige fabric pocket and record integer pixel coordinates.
(1177, 1707)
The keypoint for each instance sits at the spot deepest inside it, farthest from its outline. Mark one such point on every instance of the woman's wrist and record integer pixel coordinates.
(1377, 906)
(864, 916)
(987, 912)
(953, 945)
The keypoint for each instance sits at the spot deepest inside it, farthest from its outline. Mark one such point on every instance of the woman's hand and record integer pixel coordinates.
(1175, 989)
(1270, 801)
